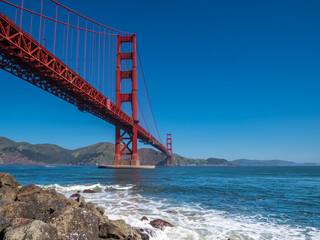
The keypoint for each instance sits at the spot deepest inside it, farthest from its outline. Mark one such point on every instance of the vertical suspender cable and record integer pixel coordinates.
(55, 31)
(40, 21)
(63, 41)
(99, 62)
(85, 51)
(112, 65)
(71, 48)
(16, 15)
(67, 38)
(43, 33)
(147, 93)
(21, 12)
(77, 55)
(31, 24)
(103, 62)
(92, 50)
(109, 63)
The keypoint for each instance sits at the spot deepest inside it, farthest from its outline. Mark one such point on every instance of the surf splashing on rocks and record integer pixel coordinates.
(191, 221)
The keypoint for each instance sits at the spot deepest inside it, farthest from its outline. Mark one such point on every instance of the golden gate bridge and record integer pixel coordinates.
(94, 67)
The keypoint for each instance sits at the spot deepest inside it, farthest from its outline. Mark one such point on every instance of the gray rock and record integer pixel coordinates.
(4, 223)
(73, 219)
(35, 230)
(80, 235)
(96, 210)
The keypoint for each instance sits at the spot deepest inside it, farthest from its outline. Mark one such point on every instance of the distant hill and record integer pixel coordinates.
(247, 162)
(22, 153)
(101, 153)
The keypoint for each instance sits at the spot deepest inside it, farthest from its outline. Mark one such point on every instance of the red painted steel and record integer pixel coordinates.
(170, 158)
(22, 56)
(129, 141)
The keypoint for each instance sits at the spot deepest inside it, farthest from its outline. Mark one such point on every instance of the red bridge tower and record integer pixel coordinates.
(170, 159)
(128, 138)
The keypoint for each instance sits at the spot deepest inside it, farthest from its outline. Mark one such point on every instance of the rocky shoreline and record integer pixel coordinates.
(30, 212)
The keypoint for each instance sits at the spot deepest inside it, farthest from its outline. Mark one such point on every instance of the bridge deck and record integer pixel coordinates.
(23, 56)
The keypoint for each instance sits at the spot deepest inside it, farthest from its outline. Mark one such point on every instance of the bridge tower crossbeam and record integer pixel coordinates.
(126, 141)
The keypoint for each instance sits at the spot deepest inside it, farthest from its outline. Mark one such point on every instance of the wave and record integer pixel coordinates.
(65, 189)
(191, 221)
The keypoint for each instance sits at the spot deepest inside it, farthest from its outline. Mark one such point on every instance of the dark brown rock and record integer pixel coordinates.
(28, 189)
(160, 224)
(7, 180)
(76, 195)
(75, 219)
(35, 194)
(11, 210)
(88, 191)
(143, 233)
(35, 230)
(118, 229)
(144, 218)
(43, 202)
(8, 193)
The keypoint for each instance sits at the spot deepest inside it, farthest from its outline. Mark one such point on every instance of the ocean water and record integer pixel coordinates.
(201, 202)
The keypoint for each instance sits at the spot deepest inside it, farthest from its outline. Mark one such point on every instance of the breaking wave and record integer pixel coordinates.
(191, 221)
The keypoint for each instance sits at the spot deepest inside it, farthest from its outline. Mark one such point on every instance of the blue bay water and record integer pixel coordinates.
(201, 202)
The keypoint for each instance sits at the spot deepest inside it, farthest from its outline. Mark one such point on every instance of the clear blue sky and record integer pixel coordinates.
(229, 79)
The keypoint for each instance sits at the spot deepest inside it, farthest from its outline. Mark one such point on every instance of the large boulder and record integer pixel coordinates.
(45, 202)
(9, 187)
(8, 193)
(160, 224)
(33, 193)
(118, 229)
(96, 210)
(7, 180)
(35, 230)
(75, 219)
(12, 210)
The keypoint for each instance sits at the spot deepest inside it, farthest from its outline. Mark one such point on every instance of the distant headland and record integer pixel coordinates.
(22, 153)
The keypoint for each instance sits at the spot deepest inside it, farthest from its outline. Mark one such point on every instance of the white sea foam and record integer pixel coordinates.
(99, 187)
(191, 221)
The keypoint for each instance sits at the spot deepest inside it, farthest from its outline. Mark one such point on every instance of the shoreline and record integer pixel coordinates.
(44, 214)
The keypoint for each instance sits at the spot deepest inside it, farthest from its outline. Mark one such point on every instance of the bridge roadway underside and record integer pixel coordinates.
(22, 56)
